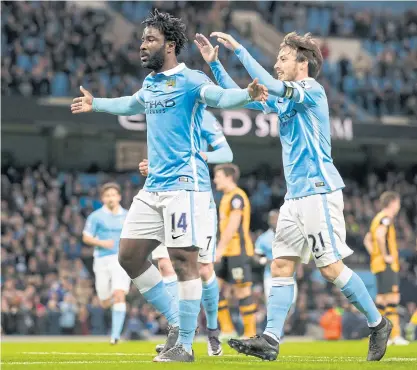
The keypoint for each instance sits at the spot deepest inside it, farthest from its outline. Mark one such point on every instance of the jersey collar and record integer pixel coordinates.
(172, 71)
(106, 210)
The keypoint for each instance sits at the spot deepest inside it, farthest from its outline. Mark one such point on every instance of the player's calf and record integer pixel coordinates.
(133, 257)
(189, 290)
(118, 315)
(210, 301)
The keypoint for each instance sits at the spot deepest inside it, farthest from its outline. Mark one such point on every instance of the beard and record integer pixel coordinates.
(155, 61)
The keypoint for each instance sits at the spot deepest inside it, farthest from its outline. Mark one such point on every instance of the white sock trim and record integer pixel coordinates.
(376, 323)
(343, 278)
(190, 290)
(209, 281)
(271, 335)
(283, 281)
(148, 279)
(121, 306)
(169, 279)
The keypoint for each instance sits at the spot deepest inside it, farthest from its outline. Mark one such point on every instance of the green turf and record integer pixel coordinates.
(138, 355)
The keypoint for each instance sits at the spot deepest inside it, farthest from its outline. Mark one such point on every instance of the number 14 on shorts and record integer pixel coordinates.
(178, 223)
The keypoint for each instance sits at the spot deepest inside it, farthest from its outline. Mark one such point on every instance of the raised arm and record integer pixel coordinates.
(225, 81)
(124, 106)
(210, 55)
(274, 86)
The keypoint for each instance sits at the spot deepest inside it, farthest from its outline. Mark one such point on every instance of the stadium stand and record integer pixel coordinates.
(44, 56)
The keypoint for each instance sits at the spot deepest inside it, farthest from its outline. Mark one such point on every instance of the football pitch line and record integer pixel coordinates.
(230, 360)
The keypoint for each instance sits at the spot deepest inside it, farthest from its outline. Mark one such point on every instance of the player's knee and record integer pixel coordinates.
(165, 267)
(185, 270)
(332, 272)
(125, 253)
(393, 298)
(241, 292)
(281, 267)
(105, 303)
(206, 271)
(381, 299)
(119, 296)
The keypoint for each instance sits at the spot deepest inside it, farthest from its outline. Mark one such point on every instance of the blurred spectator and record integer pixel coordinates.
(47, 286)
(354, 324)
(68, 314)
(97, 314)
(135, 329)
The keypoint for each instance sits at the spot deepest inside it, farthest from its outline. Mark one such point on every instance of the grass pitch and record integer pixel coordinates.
(138, 355)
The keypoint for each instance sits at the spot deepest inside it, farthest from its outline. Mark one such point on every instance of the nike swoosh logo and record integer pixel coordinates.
(178, 236)
(321, 255)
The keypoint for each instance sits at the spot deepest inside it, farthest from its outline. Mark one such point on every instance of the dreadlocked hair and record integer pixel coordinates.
(307, 50)
(172, 28)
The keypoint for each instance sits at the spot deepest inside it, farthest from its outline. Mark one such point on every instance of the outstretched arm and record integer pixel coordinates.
(225, 81)
(217, 97)
(124, 106)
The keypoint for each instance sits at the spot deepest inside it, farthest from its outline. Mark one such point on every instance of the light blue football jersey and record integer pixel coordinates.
(263, 246)
(304, 128)
(211, 134)
(104, 225)
(174, 114)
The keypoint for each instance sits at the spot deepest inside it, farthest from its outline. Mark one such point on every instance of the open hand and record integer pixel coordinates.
(208, 52)
(257, 91)
(82, 104)
(227, 40)
(143, 167)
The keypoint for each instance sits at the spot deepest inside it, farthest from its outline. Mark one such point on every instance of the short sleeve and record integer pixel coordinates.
(198, 82)
(211, 130)
(91, 225)
(386, 221)
(237, 203)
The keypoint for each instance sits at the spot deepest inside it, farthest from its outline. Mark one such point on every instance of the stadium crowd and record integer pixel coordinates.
(47, 279)
(53, 48)
(386, 85)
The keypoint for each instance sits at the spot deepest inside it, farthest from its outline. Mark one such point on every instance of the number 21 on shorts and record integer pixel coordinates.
(318, 247)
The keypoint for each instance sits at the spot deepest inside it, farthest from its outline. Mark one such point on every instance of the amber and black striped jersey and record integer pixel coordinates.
(241, 243)
(377, 261)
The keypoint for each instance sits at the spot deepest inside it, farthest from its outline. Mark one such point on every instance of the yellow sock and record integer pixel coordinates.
(225, 320)
(414, 318)
(247, 310)
(392, 315)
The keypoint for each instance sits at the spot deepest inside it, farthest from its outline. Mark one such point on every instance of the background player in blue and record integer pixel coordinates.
(212, 135)
(263, 250)
(174, 203)
(311, 220)
(102, 231)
